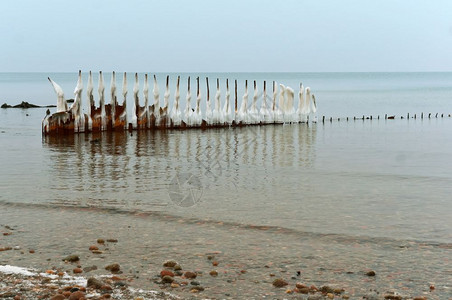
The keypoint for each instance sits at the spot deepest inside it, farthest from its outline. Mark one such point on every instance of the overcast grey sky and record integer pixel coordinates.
(226, 36)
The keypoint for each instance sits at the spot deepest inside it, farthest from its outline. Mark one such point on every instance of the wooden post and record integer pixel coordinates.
(422, 115)
(436, 116)
(408, 116)
(386, 116)
(429, 115)
(414, 116)
(235, 96)
(323, 119)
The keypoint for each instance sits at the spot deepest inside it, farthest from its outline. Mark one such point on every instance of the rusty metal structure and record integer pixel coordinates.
(278, 109)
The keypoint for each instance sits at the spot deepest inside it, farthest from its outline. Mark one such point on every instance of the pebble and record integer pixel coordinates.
(213, 273)
(31, 251)
(174, 285)
(167, 279)
(304, 290)
(77, 271)
(58, 297)
(71, 258)
(315, 297)
(166, 273)
(94, 283)
(177, 267)
(371, 273)
(326, 289)
(279, 283)
(215, 263)
(330, 295)
(198, 288)
(77, 295)
(190, 275)
(91, 248)
(169, 263)
(112, 240)
(194, 282)
(89, 269)
(114, 268)
(100, 241)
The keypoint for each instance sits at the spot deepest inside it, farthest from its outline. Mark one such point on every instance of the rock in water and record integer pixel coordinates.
(72, 258)
(94, 283)
(169, 263)
(279, 283)
(114, 268)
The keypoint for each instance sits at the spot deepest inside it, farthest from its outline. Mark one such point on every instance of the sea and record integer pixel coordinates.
(331, 199)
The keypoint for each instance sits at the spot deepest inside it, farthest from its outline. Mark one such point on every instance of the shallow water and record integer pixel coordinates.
(363, 191)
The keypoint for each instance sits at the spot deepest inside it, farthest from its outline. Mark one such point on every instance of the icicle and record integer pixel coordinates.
(89, 94)
(253, 112)
(307, 103)
(123, 116)
(188, 110)
(166, 97)
(264, 111)
(113, 100)
(197, 116)
(175, 112)
(101, 90)
(76, 108)
(209, 115)
(313, 109)
(242, 114)
(275, 111)
(136, 102)
(301, 102)
(145, 114)
(227, 107)
(61, 102)
(217, 113)
(156, 102)
(289, 111)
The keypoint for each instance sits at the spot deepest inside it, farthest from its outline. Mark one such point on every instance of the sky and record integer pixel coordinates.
(226, 36)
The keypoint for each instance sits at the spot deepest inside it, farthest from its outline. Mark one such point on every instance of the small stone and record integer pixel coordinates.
(169, 263)
(89, 269)
(194, 282)
(393, 297)
(330, 295)
(420, 298)
(190, 275)
(345, 297)
(167, 279)
(215, 263)
(114, 268)
(91, 248)
(58, 297)
(432, 287)
(178, 273)
(71, 258)
(213, 273)
(338, 291)
(177, 267)
(371, 273)
(100, 241)
(198, 288)
(315, 297)
(289, 291)
(106, 287)
(77, 295)
(279, 283)
(210, 257)
(174, 285)
(166, 273)
(243, 271)
(301, 286)
(303, 290)
(77, 271)
(326, 289)
(31, 251)
(97, 252)
(112, 240)
(272, 275)
(94, 283)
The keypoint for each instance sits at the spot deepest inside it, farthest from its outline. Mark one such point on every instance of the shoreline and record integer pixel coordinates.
(220, 261)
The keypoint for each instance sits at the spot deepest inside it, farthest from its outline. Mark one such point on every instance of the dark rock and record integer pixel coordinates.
(371, 273)
(89, 269)
(177, 267)
(169, 264)
(114, 268)
(326, 289)
(73, 290)
(164, 273)
(25, 104)
(279, 283)
(77, 295)
(194, 282)
(4, 105)
(190, 275)
(112, 240)
(71, 258)
(58, 297)
(198, 288)
(94, 283)
(213, 273)
(167, 279)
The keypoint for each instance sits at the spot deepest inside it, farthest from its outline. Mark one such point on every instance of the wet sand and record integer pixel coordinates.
(229, 260)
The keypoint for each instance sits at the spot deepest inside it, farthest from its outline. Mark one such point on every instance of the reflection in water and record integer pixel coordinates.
(132, 171)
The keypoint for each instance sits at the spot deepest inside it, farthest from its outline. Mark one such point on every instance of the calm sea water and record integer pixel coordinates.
(388, 180)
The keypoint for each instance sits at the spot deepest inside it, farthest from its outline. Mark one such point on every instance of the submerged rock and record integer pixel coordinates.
(279, 283)
(71, 258)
